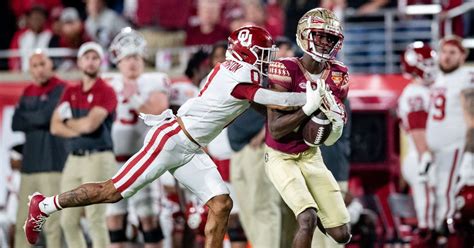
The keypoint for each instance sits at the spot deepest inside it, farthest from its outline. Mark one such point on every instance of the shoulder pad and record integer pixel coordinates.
(280, 71)
(338, 66)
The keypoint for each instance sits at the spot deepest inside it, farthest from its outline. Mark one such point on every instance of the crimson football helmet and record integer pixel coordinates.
(418, 59)
(253, 45)
(127, 42)
(319, 34)
(465, 203)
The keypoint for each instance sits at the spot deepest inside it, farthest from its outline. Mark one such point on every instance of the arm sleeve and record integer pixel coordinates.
(417, 119)
(284, 99)
(257, 94)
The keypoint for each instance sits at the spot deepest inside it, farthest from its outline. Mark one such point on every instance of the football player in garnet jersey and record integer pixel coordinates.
(418, 63)
(175, 142)
(296, 168)
(446, 128)
(137, 92)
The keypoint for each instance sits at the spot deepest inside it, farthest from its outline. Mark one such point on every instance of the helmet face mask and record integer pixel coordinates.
(264, 57)
(323, 44)
(418, 61)
(319, 34)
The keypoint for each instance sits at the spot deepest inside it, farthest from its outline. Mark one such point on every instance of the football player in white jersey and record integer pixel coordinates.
(446, 128)
(175, 142)
(137, 92)
(418, 63)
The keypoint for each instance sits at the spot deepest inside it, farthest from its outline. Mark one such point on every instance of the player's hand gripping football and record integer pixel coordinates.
(332, 109)
(314, 95)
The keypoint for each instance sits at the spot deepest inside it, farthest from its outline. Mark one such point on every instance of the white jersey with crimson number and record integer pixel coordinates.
(217, 105)
(128, 131)
(446, 126)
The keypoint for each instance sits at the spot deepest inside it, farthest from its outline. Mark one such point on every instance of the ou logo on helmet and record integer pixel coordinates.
(245, 37)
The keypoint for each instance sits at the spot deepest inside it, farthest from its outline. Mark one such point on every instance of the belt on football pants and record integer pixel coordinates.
(85, 152)
(180, 122)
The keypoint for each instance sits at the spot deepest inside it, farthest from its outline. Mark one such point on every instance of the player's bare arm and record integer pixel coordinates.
(419, 138)
(90, 122)
(58, 127)
(282, 123)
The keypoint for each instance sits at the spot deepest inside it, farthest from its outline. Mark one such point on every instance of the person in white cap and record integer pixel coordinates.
(137, 92)
(84, 116)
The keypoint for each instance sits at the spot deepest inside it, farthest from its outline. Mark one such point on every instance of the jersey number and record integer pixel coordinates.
(255, 76)
(416, 103)
(439, 104)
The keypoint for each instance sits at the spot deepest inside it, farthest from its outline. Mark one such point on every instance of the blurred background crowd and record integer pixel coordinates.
(376, 31)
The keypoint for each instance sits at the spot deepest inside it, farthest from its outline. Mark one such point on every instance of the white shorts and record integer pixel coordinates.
(167, 148)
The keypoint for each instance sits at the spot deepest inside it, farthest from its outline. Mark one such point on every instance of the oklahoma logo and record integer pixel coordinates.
(245, 37)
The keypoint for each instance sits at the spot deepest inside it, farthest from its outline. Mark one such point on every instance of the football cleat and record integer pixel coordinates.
(36, 219)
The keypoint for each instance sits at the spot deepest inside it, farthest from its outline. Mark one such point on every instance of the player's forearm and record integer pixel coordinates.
(419, 138)
(280, 125)
(274, 99)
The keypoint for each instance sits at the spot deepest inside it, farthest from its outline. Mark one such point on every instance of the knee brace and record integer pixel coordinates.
(153, 236)
(236, 234)
(118, 236)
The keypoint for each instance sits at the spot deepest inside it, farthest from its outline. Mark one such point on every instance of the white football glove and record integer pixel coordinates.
(333, 111)
(136, 101)
(64, 110)
(314, 96)
(424, 166)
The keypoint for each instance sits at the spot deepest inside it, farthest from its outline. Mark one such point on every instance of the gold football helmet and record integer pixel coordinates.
(319, 34)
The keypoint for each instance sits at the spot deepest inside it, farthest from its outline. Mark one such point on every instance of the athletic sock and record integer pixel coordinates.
(50, 205)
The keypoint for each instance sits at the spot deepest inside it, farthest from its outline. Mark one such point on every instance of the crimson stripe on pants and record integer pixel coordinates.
(136, 159)
(427, 207)
(451, 175)
(148, 162)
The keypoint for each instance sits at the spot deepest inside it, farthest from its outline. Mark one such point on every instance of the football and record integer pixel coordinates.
(317, 129)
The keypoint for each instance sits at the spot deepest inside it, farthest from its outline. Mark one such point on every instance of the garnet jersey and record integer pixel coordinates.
(413, 110)
(290, 74)
(127, 131)
(446, 125)
(206, 115)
